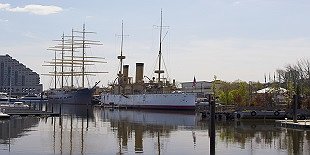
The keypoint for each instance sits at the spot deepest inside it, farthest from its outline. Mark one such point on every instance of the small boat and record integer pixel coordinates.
(5, 98)
(32, 98)
(14, 105)
(3, 115)
(96, 99)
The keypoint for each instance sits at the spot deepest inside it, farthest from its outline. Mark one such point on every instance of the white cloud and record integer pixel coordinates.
(4, 6)
(4, 20)
(236, 3)
(33, 8)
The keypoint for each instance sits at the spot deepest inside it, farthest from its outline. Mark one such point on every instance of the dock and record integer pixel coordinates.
(301, 124)
(33, 113)
(30, 112)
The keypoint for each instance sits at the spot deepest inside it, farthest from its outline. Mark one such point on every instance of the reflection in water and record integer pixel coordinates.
(264, 134)
(76, 110)
(17, 127)
(107, 131)
(153, 124)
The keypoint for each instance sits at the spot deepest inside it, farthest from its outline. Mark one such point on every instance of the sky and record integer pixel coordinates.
(232, 39)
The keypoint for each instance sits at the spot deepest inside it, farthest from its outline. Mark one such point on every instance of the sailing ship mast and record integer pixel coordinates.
(85, 44)
(55, 71)
(62, 59)
(72, 61)
(62, 48)
(72, 49)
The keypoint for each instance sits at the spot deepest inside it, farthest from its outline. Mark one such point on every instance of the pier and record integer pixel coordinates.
(300, 124)
(32, 113)
(32, 110)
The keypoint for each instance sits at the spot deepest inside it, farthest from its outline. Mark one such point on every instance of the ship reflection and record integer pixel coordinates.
(108, 131)
(143, 124)
(249, 135)
(77, 110)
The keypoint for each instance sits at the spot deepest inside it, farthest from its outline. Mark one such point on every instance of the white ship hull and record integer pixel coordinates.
(180, 101)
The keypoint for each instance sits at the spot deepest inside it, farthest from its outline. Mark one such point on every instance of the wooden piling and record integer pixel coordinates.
(212, 126)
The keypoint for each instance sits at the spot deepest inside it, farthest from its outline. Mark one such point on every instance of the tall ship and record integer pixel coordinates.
(72, 67)
(153, 93)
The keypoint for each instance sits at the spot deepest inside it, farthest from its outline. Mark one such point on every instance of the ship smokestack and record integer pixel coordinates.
(139, 72)
(125, 72)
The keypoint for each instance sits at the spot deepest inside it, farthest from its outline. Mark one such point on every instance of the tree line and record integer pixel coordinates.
(294, 78)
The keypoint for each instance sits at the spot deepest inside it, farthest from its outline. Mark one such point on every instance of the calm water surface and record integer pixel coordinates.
(111, 132)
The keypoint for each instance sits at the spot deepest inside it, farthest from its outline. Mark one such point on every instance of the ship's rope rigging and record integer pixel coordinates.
(163, 61)
(156, 64)
(152, 73)
(71, 65)
(50, 84)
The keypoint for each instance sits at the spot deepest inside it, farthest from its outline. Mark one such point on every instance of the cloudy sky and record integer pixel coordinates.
(232, 39)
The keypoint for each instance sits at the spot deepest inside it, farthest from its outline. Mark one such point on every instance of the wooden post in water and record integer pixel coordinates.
(87, 119)
(46, 107)
(87, 116)
(212, 125)
(60, 105)
(9, 135)
(295, 108)
(60, 115)
(52, 107)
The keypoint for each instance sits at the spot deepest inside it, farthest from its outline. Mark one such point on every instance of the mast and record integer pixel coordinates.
(59, 62)
(69, 61)
(62, 59)
(83, 56)
(55, 70)
(159, 71)
(159, 54)
(72, 49)
(121, 57)
(86, 44)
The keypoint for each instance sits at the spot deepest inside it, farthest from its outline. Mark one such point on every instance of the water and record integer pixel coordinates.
(144, 132)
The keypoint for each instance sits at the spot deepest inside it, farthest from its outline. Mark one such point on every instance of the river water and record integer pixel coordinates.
(110, 132)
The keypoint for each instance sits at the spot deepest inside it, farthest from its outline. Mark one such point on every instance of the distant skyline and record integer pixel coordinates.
(232, 39)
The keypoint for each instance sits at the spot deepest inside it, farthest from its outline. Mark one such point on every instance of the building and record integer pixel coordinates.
(17, 77)
(202, 88)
